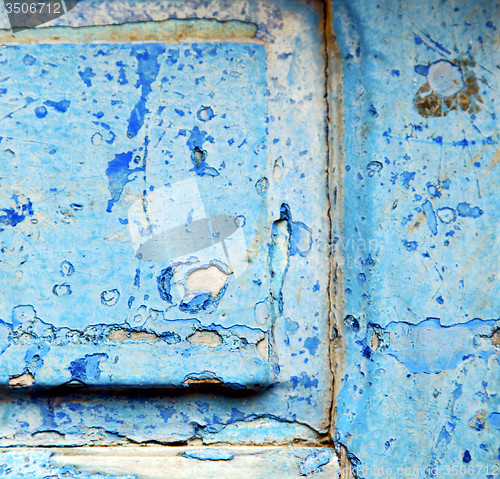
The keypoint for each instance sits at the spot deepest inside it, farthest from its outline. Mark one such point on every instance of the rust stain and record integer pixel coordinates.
(495, 338)
(345, 464)
(419, 219)
(480, 417)
(429, 103)
(494, 162)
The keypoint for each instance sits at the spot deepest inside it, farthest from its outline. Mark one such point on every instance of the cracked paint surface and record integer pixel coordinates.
(137, 118)
(418, 384)
(83, 222)
(417, 380)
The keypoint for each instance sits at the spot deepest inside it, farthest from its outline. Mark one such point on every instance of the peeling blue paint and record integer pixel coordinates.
(195, 143)
(314, 461)
(450, 345)
(15, 216)
(87, 368)
(210, 454)
(118, 172)
(465, 210)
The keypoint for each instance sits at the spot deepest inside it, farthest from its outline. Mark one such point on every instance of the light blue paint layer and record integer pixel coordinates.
(128, 128)
(301, 391)
(419, 376)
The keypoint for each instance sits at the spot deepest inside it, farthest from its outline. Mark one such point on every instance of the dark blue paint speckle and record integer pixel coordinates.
(368, 261)
(196, 138)
(304, 381)
(195, 143)
(61, 106)
(457, 391)
(433, 190)
(29, 60)
(118, 172)
(12, 217)
(373, 112)
(466, 211)
(164, 284)
(351, 322)
(236, 415)
(137, 278)
(407, 177)
(172, 56)
(122, 78)
(312, 345)
(41, 112)
(87, 76)
(410, 245)
(422, 69)
(130, 301)
(166, 412)
(87, 367)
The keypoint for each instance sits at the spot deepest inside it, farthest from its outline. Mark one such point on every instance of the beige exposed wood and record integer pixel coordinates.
(22, 381)
(168, 462)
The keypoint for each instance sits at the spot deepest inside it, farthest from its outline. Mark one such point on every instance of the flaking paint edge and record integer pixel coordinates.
(167, 31)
